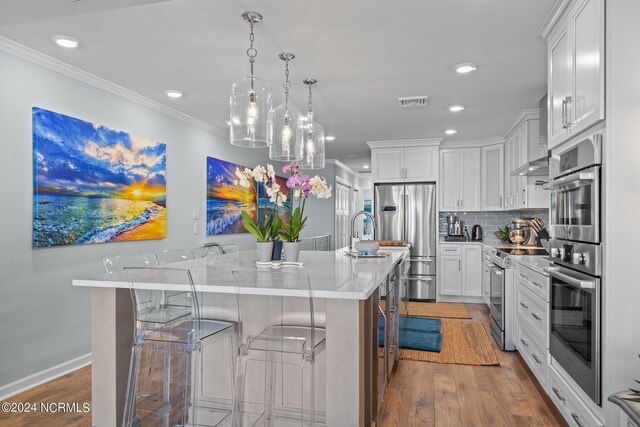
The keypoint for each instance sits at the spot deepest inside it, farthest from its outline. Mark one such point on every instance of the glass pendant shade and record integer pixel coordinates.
(310, 135)
(284, 120)
(250, 103)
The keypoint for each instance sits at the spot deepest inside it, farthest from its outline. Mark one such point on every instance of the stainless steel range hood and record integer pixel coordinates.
(538, 167)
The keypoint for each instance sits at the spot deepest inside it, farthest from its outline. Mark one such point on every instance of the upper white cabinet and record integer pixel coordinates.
(522, 146)
(460, 179)
(492, 178)
(411, 161)
(575, 69)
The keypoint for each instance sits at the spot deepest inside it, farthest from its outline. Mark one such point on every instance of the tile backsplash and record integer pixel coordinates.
(490, 221)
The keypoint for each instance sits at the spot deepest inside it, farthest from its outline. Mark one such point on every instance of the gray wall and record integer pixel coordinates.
(45, 321)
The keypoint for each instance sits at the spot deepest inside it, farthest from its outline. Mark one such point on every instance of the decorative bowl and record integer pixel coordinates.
(367, 246)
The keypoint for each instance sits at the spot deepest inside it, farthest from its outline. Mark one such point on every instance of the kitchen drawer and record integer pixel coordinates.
(422, 266)
(536, 282)
(533, 310)
(449, 249)
(533, 352)
(570, 405)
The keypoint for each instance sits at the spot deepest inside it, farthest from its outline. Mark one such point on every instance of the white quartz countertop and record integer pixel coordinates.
(333, 275)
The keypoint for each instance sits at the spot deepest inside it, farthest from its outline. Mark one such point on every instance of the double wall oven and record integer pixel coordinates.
(576, 255)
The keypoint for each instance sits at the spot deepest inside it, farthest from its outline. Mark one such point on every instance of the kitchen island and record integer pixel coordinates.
(346, 291)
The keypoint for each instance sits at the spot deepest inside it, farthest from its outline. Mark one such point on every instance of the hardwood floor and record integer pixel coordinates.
(419, 394)
(432, 394)
(71, 388)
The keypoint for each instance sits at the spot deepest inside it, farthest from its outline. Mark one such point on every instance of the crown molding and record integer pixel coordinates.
(405, 143)
(530, 114)
(341, 166)
(18, 50)
(474, 143)
(554, 16)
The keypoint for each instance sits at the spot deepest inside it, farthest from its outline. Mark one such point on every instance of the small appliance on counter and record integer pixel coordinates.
(455, 229)
(522, 234)
(476, 233)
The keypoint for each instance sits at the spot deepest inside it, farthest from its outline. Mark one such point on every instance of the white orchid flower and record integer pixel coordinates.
(271, 173)
(243, 180)
(260, 174)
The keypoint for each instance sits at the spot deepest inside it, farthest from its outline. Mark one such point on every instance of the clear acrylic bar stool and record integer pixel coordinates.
(281, 338)
(167, 392)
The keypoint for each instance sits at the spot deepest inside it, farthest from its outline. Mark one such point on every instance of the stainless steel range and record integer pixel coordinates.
(576, 255)
(500, 297)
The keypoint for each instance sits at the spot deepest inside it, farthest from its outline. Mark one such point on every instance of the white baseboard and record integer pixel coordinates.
(42, 377)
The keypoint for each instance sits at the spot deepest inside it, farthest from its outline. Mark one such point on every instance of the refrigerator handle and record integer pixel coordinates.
(407, 217)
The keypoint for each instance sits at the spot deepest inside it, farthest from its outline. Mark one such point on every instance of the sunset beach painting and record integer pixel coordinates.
(225, 200)
(92, 184)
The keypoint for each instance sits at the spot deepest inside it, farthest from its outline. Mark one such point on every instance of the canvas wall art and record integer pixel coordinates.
(92, 184)
(225, 200)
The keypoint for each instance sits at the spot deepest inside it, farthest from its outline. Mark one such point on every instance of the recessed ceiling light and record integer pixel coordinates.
(228, 122)
(450, 131)
(330, 138)
(465, 68)
(173, 93)
(455, 108)
(66, 41)
(365, 166)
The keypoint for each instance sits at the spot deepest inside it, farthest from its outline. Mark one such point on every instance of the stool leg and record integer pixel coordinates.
(238, 395)
(130, 397)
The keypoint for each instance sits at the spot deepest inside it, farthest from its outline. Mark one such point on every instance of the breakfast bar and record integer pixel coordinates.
(345, 292)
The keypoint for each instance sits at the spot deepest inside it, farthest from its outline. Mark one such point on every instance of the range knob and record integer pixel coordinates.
(554, 253)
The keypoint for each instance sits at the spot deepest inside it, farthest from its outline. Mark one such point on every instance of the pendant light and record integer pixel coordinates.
(283, 122)
(311, 137)
(250, 101)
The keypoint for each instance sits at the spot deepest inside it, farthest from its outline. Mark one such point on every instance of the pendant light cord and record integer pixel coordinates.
(287, 84)
(310, 102)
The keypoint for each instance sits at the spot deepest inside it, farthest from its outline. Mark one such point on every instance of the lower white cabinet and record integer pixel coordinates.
(460, 269)
(572, 408)
(532, 320)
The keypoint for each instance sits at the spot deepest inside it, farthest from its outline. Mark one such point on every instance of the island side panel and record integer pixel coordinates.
(111, 340)
(343, 363)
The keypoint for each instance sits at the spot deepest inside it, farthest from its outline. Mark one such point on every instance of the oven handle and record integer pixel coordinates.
(571, 181)
(584, 284)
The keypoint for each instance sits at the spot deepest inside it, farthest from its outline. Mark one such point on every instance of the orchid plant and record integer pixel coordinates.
(268, 228)
(302, 186)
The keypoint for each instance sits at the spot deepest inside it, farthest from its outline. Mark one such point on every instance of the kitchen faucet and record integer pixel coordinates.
(353, 222)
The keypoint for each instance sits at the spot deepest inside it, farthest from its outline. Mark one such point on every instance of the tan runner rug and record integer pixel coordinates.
(463, 343)
(438, 310)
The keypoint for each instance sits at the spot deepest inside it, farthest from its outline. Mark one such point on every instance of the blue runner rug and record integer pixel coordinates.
(419, 333)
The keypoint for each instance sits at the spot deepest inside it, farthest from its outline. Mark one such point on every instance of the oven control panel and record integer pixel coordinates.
(579, 256)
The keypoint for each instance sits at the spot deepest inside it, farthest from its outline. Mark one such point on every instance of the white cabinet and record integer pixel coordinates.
(460, 179)
(522, 146)
(387, 164)
(471, 268)
(450, 274)
(576, 71)
(486, 275)
(460, 269)
(404, 164)
(492, 177)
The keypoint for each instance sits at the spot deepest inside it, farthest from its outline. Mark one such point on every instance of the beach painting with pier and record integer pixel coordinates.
(92, 184)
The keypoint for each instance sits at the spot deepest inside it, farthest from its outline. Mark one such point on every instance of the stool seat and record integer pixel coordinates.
(288, 339)
(186, 331)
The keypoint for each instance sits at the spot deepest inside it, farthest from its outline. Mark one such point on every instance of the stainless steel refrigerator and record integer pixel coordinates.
(407, 212)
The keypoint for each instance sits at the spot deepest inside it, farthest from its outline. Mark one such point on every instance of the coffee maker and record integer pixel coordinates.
(455, 228)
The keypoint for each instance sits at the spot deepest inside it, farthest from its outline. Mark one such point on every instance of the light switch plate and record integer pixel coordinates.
(195, 227)
(196, 213)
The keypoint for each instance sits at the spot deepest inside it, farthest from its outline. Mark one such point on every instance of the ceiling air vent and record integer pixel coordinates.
(413, 101)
